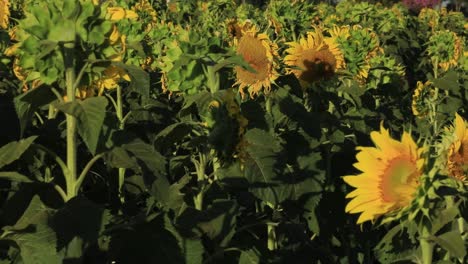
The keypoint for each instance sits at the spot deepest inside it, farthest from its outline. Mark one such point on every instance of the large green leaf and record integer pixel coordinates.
(167, 195)
(171, 135)
(90, 114)
(140, 80)
(452, 241)
(35, 239)
(249, 257)
(261, 168)
(152, 159)
(26, 104)
(78, 218)
(193, 251)
(13, 150)
(448, 82)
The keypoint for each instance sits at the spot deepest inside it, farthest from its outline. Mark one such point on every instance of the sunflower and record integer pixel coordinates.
(259, 52)
(314, 57)
(358, 46)
(444, 49)
(4, 13)
(146, 12)
(430, 17)
(422, 97)
(390, 176)
(457, 152)
(111, 78)
(119, 13)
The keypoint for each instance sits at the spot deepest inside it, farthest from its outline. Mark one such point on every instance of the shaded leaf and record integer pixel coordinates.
(14, 176)
(13, 150)
(452, 242)
(26, 104)
(90, 114)
(35, 239)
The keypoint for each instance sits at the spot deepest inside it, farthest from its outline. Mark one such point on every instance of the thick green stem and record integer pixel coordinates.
(427, 246)
(271, 237)
(200, 167)
(71, 178)
(119, 111)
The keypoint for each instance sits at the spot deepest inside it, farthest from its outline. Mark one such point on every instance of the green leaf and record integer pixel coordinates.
(90, 114)
(169, 196)
(78, 218)
(193, 251)
(46, 48)
(261, 168)
(448, 82)
(26, 104)
(452, 242)
(444, 217)
(140, 80)
(118, 157)
(152, 159)
(218, 221)
(171, 134)
(13, 150)
(14, 176)
(249, 257)
(35, 239)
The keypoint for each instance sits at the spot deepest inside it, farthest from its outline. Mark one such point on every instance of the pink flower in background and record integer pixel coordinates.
(418, 4)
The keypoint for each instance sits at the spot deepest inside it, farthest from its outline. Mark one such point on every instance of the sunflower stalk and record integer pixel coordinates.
(119, 111)
(272, 243)
(200, 167)
(427, 245)
(75, 247)
(71, 176)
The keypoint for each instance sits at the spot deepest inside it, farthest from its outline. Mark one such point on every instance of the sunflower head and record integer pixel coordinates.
(359, 45)
(259, 52)
(4, 13)
(390, 176)
(444, 49)
(423, 98)
(454, 150)
(145, 13)
(314, 57)
(430, 17)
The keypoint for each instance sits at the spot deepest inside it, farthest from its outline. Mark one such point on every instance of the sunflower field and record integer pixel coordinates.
(233, 131)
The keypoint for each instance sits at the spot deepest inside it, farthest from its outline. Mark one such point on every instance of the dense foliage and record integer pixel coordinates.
(140, 131)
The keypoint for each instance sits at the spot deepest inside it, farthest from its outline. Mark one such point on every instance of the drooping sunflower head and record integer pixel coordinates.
(259, 52)
(444, 49)
(359, 45)
(423, 97)
(146, 13)
(454, 150)
(4, 13)
(430, 17)
(314, 57)
(390, 176)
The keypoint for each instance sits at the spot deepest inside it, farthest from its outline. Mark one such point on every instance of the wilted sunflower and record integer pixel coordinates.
(314, 57)
(358, 45)
(146, 13)
(422, 98)
(259, 52)
(457, 150)
(4, 13)
(390, 176)
(118, 13)
(444, 49)
(429, 17)
(112, 75)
